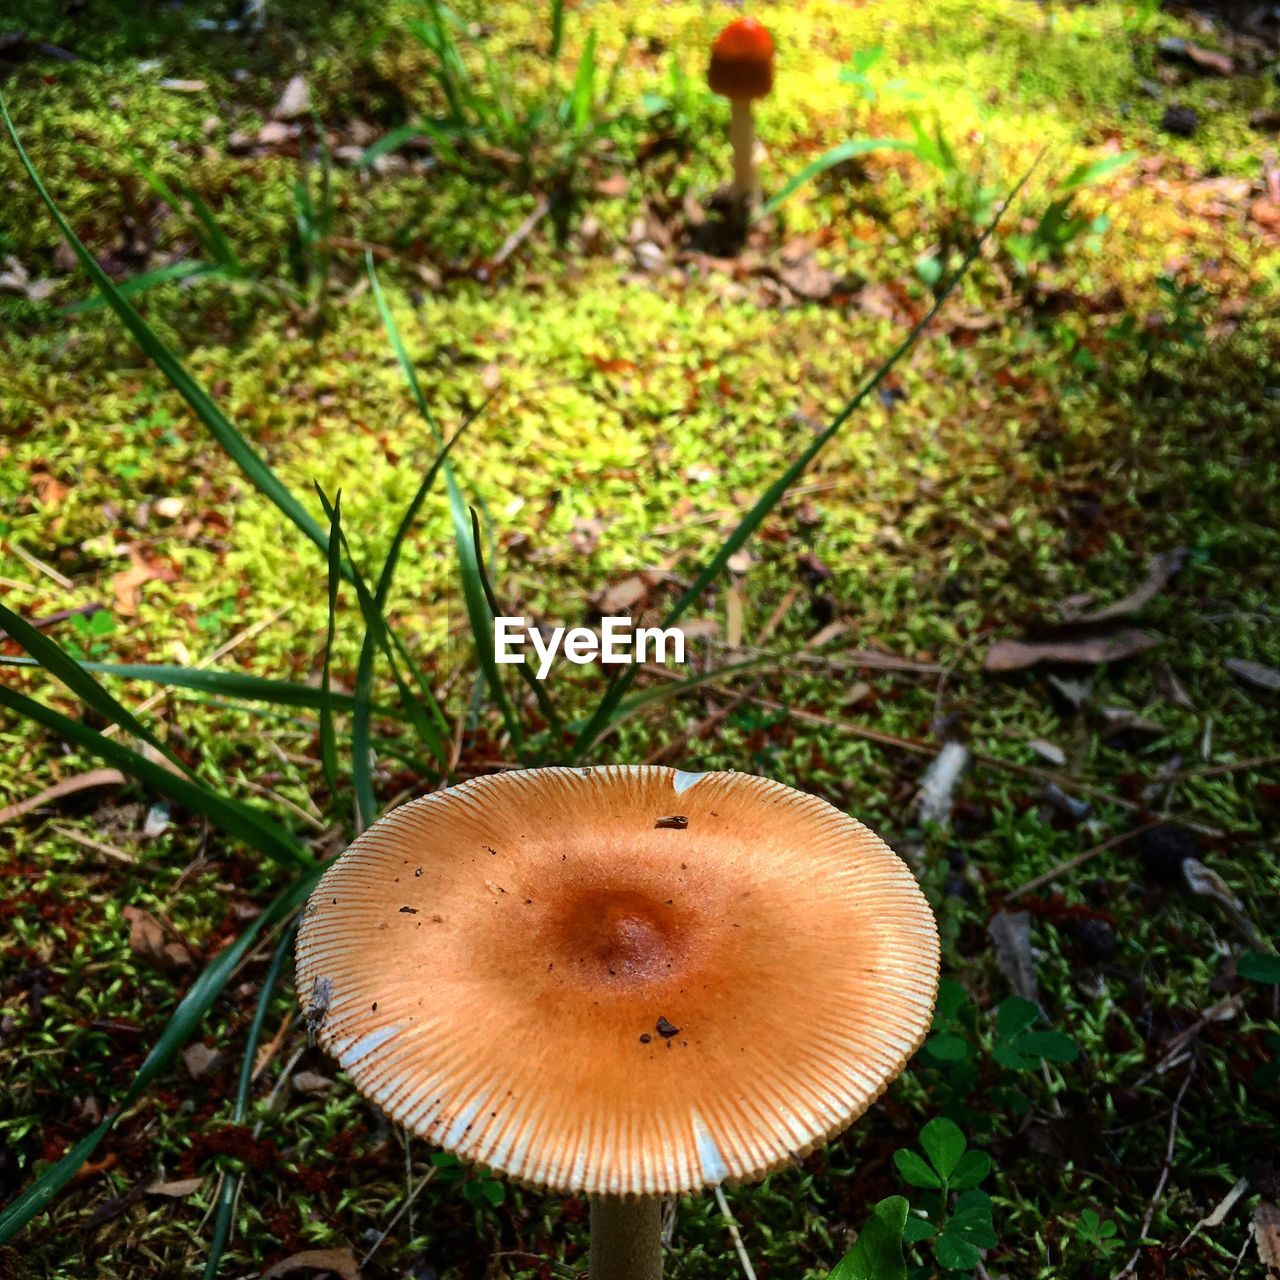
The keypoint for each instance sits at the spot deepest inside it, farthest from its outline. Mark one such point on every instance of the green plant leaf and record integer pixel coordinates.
(62, 666)
(1015, 1015)
(328, 739)
(1008, 1056)
(177, 1031)
(230, 1185)
(468, 550)
(536, 686)
(946, 1046)
(972, 1168)
(187, 269)
(1056, 1046)
(1259, 967)
(775, 491)
(915, 1172)
(918, 1229)
(944, 1144)
(231, 816)
(956, 1253)
(828, 160)
(233, 443)
(225, 684)
(877, 1252)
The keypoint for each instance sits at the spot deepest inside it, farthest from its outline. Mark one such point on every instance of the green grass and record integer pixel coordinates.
(1014, 466)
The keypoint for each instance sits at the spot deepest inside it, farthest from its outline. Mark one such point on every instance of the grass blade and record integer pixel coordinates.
(201, 403)
(187, 269)
(773, 493)
(828, 160)
(225, 684)
(557, 29)
(222, 1223)
(179, 1029)
(538, 688)
(328, 741)
(478, 614)
(232, 816)
(62, 666)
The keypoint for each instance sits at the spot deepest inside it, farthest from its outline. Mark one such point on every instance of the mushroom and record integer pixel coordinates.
(628, 982)
(742, 70)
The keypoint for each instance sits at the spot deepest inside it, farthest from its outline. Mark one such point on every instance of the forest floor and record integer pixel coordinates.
(1082, 454)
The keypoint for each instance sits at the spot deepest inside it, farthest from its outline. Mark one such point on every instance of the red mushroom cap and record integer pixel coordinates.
(742, 61)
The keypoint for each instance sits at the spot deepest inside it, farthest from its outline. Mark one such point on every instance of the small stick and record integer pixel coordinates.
(1081, 858)
(400, 1212)
(739, 1247)
(1131, 1265)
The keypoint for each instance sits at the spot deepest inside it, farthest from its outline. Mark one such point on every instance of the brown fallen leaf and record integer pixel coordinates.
(1254, 673)
(176, 1190)
(1266, 1232)
(1081, 650)
(146, 934)
(622, 596)
(1197, 55)
(67, 787)
(200, 1059)
(311, 1082)
(295, 101)
(128, 585)
(805, 278)
(338, 1262)
(1160, 570)
(1011, 935)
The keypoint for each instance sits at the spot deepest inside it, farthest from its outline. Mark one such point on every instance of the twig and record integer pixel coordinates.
(739, 1247)
(62, 615)
(1164, 1173)
(67, 787)
(520, 234)
(400, 1212)
(107, 850)
(34, 562)
(1081, 858)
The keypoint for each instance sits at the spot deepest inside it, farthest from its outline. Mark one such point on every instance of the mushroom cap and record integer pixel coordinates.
(621, 980)
(742, 60)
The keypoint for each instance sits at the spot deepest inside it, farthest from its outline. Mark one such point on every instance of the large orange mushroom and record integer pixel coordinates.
(625, 982)
(742, 70)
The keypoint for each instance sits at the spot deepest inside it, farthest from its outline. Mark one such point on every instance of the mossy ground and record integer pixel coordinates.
(1043, 440)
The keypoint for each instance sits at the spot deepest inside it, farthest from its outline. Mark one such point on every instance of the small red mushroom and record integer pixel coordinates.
(742, 70)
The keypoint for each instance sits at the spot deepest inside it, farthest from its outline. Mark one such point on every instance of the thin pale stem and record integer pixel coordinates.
(626, 1239)
(742, 134)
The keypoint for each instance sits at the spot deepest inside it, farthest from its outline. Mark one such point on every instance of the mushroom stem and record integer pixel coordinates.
(626, 1239)
(742, 134)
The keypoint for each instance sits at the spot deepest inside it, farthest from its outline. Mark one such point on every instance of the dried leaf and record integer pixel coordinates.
(295, 101)
(128, 585)
(1049, 751)
(176, 1190)
(1178, 49)
(1084, 650)
(806, 279)
(1011, 933)
(311, 1082)
(146, 935)
(1206, 882)
(1266, 1232)
(67, 787)
(937, 787)
(1254, 673)
(622, 597)
(200, 1059)
(1159, 572)
(338, 1262)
